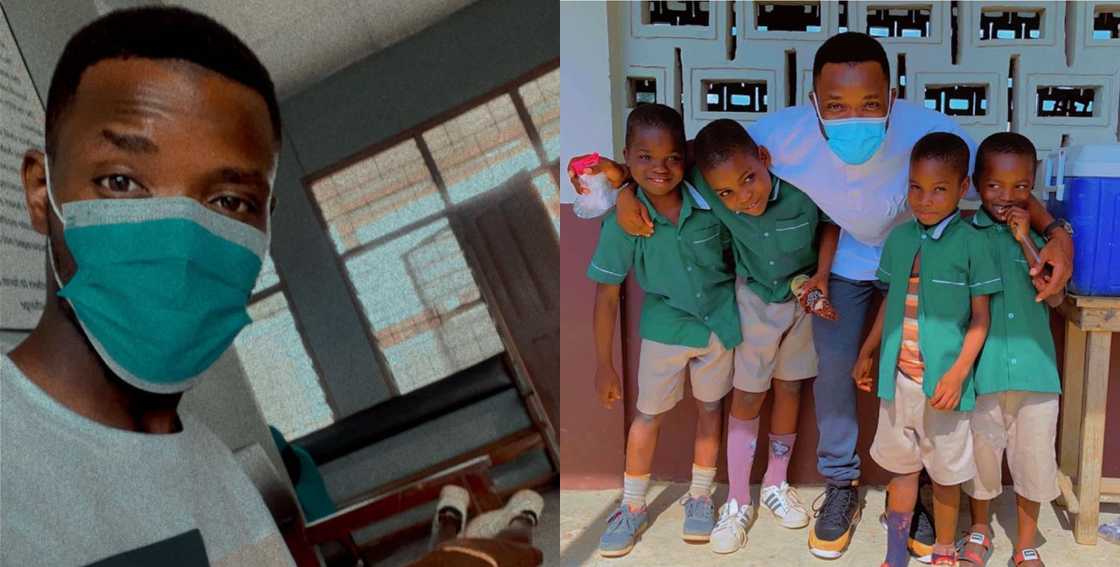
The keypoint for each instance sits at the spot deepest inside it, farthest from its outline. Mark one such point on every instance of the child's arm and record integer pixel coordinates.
(607, 383)
(948, 392)
(865, 362)
(826, 251)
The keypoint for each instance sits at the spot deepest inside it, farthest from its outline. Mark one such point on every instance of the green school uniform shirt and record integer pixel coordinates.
(688, 281)
(1019, 352)
(956, 265)
(777, 245)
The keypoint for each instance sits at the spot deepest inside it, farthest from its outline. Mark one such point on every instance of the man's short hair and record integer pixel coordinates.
(156, 32)
(719, 140)
(851, 48)
(1003, 143)
(947, 148)
(656, 116)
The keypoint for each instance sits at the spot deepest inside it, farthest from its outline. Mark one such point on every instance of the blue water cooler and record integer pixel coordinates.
(1082, 184)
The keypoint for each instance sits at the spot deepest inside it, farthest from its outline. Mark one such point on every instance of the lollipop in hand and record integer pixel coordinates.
(812, 300)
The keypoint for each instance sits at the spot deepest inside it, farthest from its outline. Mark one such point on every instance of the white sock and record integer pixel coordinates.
(634, 490)
(702, 478)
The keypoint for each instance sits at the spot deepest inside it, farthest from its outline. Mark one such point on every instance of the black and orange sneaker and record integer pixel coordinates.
(836, 519)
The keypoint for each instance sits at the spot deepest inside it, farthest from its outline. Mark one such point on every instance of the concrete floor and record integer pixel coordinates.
(583, 516)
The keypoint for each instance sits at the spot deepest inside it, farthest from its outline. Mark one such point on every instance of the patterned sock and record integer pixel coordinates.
(702, 478)
(634, 491)
(742, 436)
(898, 531)
(781, 449)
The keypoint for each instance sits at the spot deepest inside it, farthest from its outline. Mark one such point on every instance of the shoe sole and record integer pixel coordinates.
(697, 538)
(830, 554)
(627, 550)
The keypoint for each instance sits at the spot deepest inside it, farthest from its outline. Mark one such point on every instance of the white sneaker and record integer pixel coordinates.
(730, 533)
(783, 501)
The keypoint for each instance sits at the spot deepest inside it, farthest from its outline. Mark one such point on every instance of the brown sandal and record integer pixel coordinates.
(972, 557)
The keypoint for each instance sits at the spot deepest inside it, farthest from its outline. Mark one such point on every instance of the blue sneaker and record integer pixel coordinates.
(699, 518)
(623, 529)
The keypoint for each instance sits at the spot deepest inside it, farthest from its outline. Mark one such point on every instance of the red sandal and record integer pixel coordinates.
(1023, 555)
(949, 560)
(972, 557)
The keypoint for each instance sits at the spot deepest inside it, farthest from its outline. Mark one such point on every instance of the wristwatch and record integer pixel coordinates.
(1058, 223)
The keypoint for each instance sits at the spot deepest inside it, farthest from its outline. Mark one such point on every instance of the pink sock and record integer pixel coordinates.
(741, 439)
(781, 448)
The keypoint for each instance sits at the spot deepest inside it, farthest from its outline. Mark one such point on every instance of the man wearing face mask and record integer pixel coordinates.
(162, 138)
(848, 150)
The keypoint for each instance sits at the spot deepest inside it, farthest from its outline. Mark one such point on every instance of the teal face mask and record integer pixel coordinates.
(854, 140)
(162, 284)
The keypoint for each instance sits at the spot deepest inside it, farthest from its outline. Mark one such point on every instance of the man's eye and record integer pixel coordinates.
(835, 107)
(234, 204)
(872, 105)
(118, 183)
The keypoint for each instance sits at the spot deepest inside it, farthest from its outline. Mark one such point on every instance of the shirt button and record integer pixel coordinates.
(766, 234)
(1010, 315)
(698, 295)
(923, 237)
(775, 282)
(1013, 361)
(705, 318)
(771, 262)
(678, 237)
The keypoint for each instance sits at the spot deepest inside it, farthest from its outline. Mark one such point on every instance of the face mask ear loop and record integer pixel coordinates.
(57, 213)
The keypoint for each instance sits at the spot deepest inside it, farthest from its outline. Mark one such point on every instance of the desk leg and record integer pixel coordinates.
(1073, 377)
(1094, 401)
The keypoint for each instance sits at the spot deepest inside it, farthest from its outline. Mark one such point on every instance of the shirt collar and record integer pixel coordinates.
(938, 229)
(982, 219)
(690, 199)
(775, 188)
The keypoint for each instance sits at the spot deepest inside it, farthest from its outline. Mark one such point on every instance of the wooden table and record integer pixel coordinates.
(1090, 322)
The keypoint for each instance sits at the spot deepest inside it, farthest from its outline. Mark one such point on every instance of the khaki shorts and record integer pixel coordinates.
(777, 342)
(661, 374)
(912, 435)
(1025, 426)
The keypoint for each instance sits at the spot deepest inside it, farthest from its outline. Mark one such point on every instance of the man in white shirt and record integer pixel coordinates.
(154, 193)
(849, 151)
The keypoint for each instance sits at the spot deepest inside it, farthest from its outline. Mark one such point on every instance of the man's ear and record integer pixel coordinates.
(964, 186)
(764, 156)
(34, 176)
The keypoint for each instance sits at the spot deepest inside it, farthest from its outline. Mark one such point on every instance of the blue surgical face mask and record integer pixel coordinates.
(161, 286)
(854, 140)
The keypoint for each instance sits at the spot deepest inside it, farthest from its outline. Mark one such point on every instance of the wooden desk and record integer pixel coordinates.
(1090, 322)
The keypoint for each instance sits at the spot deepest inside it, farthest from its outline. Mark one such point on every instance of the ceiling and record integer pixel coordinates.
(303, 41)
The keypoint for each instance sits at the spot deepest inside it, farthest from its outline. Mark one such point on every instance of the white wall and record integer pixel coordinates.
(588, 124)
(1065, 54)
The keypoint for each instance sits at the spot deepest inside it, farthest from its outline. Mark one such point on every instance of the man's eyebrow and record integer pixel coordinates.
(242, 176)
(130, 143)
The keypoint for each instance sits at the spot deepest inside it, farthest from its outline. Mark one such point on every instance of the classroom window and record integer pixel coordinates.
(391, 217)
(275, 360)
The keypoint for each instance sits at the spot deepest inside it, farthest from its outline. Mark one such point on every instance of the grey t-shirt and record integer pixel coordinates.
(74, 492)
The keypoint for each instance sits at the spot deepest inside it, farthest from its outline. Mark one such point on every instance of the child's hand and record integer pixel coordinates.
(948, 392)
(862, 372)
(633, 217)
(819, 281)
(1019, 221)
(608, 385)
(615, 173)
